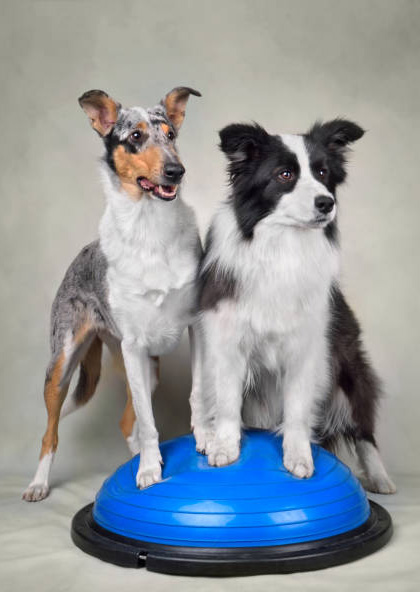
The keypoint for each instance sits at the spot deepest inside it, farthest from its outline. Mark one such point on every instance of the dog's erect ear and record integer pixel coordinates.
(337, 134)
(175, 103)
(241, 142)
(101, 110)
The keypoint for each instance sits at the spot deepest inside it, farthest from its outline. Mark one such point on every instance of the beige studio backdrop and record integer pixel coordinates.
(281, 63)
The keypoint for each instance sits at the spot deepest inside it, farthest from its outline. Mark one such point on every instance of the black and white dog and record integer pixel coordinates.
(282, 345)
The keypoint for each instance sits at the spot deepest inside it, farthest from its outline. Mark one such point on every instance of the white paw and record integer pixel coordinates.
(297, 459)
(379, 484)
(223, 452)
(36, 492)
(203, 440)
(301, 467)
(147, 476)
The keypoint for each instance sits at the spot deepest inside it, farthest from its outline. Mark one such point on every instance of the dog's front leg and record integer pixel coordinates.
(301, 391)
(138, 367)
(201, 412)
(229, 374)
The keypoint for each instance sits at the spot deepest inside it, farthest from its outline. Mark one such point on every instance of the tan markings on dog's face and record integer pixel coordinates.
(143, 126)
(165, 128)
(130, 167)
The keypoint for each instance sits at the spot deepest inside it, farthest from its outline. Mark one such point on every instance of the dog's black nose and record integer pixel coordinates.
(174, 172)
(324, 204)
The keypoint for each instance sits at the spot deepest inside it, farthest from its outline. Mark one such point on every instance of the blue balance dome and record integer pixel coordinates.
(250, 517)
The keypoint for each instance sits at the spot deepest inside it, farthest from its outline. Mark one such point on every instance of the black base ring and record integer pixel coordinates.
(239, 561)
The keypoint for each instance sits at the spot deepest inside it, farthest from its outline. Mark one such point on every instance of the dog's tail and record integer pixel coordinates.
(89, 373)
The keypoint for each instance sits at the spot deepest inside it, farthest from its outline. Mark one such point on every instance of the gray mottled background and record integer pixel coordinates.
(283, 64)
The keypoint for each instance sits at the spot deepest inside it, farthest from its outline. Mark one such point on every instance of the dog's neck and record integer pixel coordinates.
(287, 250)
(147, 223)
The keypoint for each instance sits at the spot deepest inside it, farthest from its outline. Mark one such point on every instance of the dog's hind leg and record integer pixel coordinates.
(377, 479)
(356, 378)
(89, 373)
(75, 347)
(361, 387)
(54, 394)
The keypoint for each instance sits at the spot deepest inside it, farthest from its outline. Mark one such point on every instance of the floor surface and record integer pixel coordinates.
(37, 553)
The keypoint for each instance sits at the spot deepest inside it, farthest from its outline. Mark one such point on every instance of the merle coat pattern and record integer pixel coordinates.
(134, 288)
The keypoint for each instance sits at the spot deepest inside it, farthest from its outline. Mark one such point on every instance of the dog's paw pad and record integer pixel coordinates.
(36, 492)
(147, 477)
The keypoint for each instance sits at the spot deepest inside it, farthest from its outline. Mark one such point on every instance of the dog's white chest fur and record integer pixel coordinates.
(152, 255)
(284, 276)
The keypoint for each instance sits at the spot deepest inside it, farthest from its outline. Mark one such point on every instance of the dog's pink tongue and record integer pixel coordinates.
(147, 185)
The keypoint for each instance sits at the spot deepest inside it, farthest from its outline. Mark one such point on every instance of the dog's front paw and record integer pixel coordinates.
(300, 467)
(147, 476)
(223, 452)
(297, 459)
(150, 471)
(36, 492)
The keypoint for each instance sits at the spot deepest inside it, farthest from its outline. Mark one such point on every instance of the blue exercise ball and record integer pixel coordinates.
(252, 516)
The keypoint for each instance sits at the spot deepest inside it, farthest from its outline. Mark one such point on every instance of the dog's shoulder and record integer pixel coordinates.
(87, 270)
(216, 276)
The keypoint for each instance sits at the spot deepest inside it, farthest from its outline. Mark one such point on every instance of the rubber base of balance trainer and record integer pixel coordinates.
(231, 561)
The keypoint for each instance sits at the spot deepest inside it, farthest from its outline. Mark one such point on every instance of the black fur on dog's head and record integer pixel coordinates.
(263, 168)
(330, 142)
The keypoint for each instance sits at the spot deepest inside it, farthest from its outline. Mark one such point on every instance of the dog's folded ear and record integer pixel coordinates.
(175, 103)
(335, 135)
(241, 142)
(101, 110)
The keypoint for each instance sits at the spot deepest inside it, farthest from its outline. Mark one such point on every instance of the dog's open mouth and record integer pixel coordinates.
(165, 192)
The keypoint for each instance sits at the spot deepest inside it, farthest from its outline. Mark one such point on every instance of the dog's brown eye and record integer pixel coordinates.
(323, 172)
(135, 136)
(286, 175)
(171, 136)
